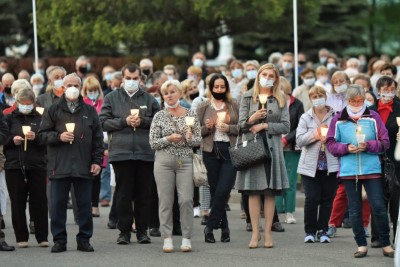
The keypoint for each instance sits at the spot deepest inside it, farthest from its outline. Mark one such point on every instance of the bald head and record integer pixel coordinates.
(7, 80)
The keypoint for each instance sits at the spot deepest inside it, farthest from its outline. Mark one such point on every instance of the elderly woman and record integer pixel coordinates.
(268, 178)
(173, 141)
(219, 133)
(388, 109)
(251, 68)
(318, 168)
(356, 136)
(93, 96)
(25, 169)
(287, 202)
(336, 99)
(301, 92)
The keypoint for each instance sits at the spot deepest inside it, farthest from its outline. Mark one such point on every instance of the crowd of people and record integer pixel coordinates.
(67, 138)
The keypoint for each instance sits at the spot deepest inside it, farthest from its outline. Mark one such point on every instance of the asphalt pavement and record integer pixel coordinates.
(289, 249)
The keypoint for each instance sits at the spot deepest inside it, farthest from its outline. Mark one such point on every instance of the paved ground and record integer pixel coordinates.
(289, 248)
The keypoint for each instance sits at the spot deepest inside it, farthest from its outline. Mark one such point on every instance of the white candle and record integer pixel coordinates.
(221, 116)
(70, 128)
(189, 121)
(26, 130)
(40, 110)
(324, 131)
(263, 99)
(398, 121)
(135, 112)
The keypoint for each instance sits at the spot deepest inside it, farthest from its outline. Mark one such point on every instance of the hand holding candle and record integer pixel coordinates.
(40, 110)
(26, 130)
(189, 123)
(263, 99)
(135, 112)
(324, 132)
(70, 128)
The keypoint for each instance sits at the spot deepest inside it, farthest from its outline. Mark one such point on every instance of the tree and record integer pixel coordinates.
(9, 24)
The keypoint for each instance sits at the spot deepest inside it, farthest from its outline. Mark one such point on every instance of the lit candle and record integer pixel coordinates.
(189, 122)
(40, 110)
(26, 130)
(324, 131)
(70, 128)
(135, 112)
(221, 116)
(398, 121)
(360, 137)
(263, 99)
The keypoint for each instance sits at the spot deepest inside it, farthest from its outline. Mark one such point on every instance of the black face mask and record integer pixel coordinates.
(218, 96)
(7, 90)
(302, 62)
(193, 96)
(83, 70)
(146, 72)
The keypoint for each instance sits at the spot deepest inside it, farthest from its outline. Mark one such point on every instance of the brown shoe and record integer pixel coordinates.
(105, 203)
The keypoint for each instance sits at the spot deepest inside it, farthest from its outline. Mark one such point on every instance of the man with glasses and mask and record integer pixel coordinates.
(55, 87)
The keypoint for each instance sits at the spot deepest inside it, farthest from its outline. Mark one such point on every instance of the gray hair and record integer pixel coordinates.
(37, 75)
(253, 62)
(117, 76)
(175, 83)
(19, 85)
(80, 59)
(274, 57)
(72, 75)
(354, 90)
(51, 69)
(26, 94)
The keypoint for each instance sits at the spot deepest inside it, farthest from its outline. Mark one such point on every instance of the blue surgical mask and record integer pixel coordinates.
(251, 74)
(158, 98)
(368, 103)
(108, 77)
(237, 73)
(92, 95)
(266, 83)
(131, 86)
(198, 62)
(58, 83)
(25, 109)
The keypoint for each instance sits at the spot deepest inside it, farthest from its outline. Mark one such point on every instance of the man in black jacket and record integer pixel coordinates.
(131, 155)
(74, 158)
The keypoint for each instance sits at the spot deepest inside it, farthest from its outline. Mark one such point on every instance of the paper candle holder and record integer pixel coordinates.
(70, 128)
(40, 110)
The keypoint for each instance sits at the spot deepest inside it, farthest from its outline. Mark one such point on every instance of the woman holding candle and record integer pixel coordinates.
(268, 178)
(218, 117)
(318, 168)
(360, 164)
(25, 169)
(389, 110)
(173, 141)
(93, 96)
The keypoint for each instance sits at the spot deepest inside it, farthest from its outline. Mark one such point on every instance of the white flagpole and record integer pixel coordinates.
(296, 56)
(35, 36)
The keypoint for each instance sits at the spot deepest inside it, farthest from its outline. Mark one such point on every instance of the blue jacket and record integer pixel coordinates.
(343, 131)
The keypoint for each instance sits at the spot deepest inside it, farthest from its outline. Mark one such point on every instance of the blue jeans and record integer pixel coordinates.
(221, 178)
(105, 189)
(374, 190)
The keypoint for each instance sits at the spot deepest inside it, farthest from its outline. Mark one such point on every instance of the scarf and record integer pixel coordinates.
(384, 109)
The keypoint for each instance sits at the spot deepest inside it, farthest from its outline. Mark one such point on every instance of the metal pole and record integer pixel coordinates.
(396, 242)
(296, 56)
(35, 36)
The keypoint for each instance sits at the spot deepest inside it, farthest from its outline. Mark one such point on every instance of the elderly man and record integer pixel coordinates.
(82, 66)
(55, 90)
(74, 157)
(6, 99)
(106, 75)
(24, 74)
(130, 152)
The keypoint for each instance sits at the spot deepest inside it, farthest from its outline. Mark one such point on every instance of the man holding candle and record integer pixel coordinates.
(73, 158)
(131, 155)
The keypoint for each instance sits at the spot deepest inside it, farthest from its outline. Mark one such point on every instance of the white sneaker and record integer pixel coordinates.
(196, 212)
(290, 218)
(186, 245)
(44, 244)
(168, 245)
(23, 244)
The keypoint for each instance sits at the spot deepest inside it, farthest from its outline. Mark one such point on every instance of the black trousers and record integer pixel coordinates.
(96, 190)
(59, 198)
(19, 188)
(135, 182)
(113, 216)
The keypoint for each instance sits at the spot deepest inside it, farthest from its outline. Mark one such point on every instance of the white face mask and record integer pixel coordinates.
(131, 86)
(198, 62)
(330, 66)
(251, 74)
(341, 88)
(387, 97)
(158, 98)
(58, 83)
(72, 93)
(287, 65)
(25, 109)
(322, 60)
(172, 106)
(355, 109)
(309, 82)
(319, 102)
(368, 103)
(93, 95)
(323, 78)
(266, 83)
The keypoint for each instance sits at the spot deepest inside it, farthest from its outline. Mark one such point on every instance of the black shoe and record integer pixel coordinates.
(208, 235)
(5, 247)
(3, 225)
(376, 244)
(277, 227)
(225, 235)
(85, 246)
(133, 230)
(142, 237)
(227, 207)
(249, 228)
(31, 228)
(177, 231)
(58, 247)
(112, 225)
(155, 232)
(346, 223)
(124, 239)
(69, 205)
(204, 220)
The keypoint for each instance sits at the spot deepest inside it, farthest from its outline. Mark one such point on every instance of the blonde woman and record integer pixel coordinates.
(189, 93)
(268, 178)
